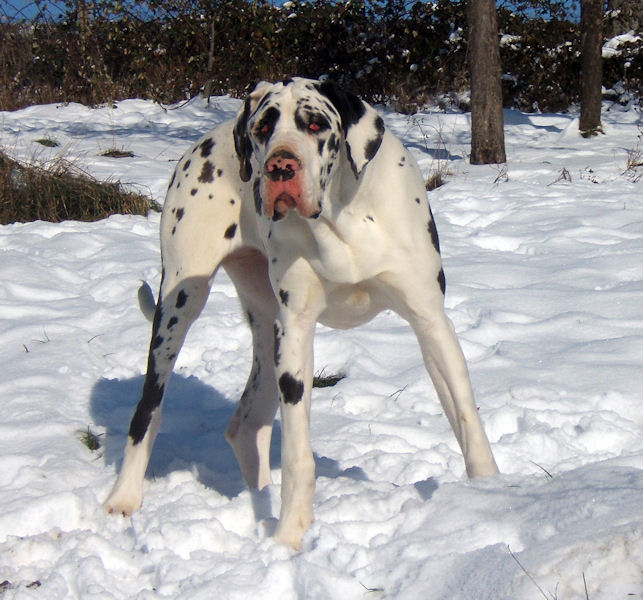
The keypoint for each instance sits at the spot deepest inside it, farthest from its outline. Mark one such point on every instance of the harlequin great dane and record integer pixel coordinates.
(318, 214)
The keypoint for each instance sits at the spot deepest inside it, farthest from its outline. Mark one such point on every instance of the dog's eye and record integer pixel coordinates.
(266, 124)
(318, 124)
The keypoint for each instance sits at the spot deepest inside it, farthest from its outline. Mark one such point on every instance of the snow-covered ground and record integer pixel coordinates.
(544, 268)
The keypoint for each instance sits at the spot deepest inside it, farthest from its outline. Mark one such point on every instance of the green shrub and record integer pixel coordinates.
(388, 51)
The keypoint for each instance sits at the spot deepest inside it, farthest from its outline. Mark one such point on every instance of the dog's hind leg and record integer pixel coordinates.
(448, 370)
(194, 241)
(420, 301)
(250, 429)
(179, 304)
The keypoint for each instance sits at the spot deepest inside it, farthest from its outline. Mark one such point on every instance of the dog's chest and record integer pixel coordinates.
(344, 251)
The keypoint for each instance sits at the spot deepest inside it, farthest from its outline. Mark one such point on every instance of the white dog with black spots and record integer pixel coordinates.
(318, 214)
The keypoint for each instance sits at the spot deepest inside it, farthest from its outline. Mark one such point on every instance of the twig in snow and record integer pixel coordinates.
(372, 590)
(46, 340)
(585, 584)
(545, 596)
(502, 176)
(564, 176)
(397, 393)
(549, 475)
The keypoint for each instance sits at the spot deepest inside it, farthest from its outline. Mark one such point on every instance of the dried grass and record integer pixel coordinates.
(61, 192)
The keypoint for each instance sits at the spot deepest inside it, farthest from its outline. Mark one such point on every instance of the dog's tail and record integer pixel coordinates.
(146, 300)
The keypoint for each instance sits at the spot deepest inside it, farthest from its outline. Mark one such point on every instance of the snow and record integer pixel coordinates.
(611, 47)
(544, 268)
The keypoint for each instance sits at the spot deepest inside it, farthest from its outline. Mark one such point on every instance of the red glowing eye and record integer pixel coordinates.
(314, 127)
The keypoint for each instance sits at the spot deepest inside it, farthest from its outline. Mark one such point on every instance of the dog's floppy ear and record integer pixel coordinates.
(242, 143)
(363, 127)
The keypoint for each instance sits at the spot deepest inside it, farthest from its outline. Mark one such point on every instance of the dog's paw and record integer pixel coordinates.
(291, 535)
(120, 502)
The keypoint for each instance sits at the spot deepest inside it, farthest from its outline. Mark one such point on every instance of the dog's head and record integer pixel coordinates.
(290, 137)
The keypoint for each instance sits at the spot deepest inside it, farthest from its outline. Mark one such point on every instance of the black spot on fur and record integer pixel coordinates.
(219, 172)
(442, 281)
(150, 400)
(277, 344)
(267, 124)
(181, 299)
(232, 201)
(152, 391)
(349, 155)
(207, 172)
(157, 341)
(251, 319)
(433, 231)
(264, 101)
(283, 296)
(230, 231)
(348, 106)
(186, 165)
(257, 195)
(374, 145)
(418, 201)
(194, 191)
(172, 322)
(242, 144)
(173, 230)
(206, 147)
(333, 143)
(292, 389)
(179, 213)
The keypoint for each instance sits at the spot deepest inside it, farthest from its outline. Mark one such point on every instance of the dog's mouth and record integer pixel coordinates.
(284, 202)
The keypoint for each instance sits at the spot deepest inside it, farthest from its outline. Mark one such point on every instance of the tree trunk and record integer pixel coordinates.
(487, 133)
(591, 18)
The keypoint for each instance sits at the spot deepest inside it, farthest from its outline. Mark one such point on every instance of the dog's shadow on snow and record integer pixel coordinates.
(195, 416)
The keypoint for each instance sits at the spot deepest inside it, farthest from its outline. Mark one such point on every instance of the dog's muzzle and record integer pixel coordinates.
(282, 184)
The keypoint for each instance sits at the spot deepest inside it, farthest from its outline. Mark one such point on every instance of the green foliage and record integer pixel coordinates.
(90, 439)
(321, 380)
(393, 51)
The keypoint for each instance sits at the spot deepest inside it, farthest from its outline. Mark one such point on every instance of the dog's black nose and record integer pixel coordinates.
(282, 166)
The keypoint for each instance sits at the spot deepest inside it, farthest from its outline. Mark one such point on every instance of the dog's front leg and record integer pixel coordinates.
(294, 331)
